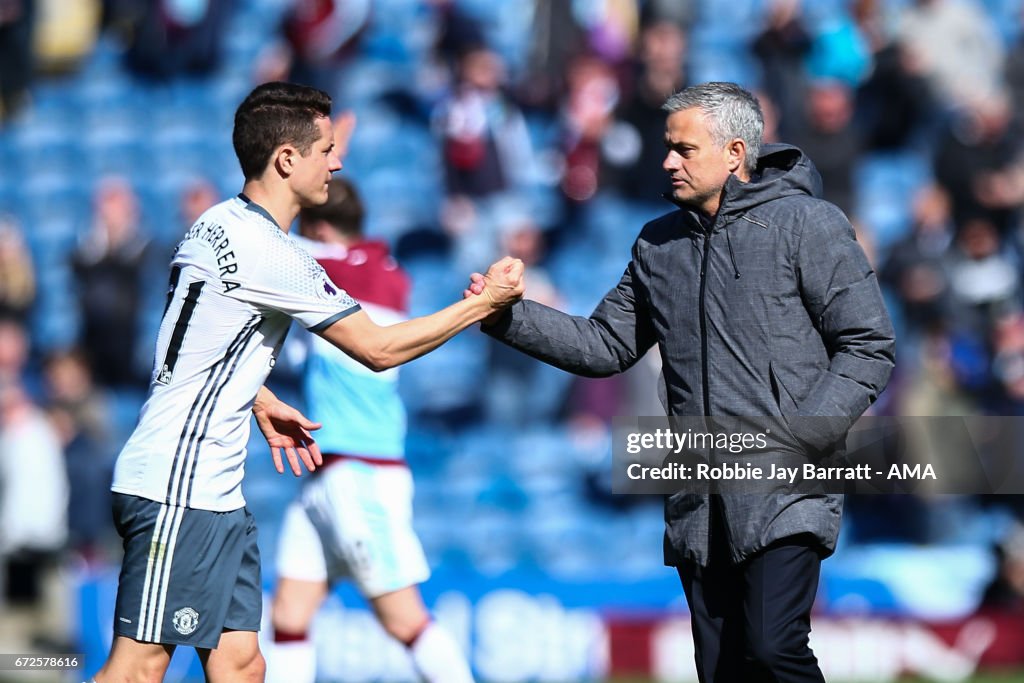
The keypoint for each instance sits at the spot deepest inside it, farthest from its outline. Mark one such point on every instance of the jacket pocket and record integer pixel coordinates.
(787, 408)
(783, 399)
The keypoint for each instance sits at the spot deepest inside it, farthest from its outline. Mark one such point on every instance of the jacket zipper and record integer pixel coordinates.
(703, 321)
(705, 388)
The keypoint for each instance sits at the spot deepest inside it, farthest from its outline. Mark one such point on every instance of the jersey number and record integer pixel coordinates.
(180, 325)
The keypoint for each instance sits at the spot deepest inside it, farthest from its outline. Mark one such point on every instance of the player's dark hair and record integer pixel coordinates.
(343, 210)
(276, 114)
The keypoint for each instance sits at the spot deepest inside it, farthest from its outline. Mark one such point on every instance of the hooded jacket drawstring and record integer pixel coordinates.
(732, 254)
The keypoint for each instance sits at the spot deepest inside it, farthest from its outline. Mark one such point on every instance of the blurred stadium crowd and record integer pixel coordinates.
(486, 128)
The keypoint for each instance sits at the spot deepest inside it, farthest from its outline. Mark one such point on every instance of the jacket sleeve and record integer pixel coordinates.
(616, 334)
(841, 294)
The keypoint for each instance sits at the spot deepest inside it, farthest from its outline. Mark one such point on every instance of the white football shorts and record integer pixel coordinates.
(354, 520)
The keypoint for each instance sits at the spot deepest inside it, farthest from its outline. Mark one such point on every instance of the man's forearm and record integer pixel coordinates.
(583, 346)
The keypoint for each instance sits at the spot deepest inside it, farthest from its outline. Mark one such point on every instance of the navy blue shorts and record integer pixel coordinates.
(187, 575)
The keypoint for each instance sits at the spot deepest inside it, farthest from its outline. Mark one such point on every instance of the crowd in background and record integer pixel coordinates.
(529, 128)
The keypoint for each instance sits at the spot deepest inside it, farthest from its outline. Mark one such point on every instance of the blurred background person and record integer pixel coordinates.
(197, 196)
(167, 38)
(895, 102)
(486, 152)
(830, 139)
(978, 152)
(108, 268)
(316, 39)
(33, 504)
(586, 118)
(486, 147)
(781, 47)
(1005, 593)
(16, 56)
(17, 273)
(635, 144)
(81, 414)
(957, 46)
(917, 270)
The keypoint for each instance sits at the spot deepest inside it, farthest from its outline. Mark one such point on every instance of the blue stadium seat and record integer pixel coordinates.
(1006, 17)
(885, 187)
(856, 595)
(491, 539)
(55, 320)
(434, 528)
(44, 142)
(509, 29)
(54, 206)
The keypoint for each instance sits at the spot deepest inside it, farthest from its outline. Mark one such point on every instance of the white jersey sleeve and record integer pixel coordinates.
(284, 277)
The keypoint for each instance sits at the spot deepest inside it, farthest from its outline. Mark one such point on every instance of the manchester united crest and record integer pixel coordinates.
(186, 620)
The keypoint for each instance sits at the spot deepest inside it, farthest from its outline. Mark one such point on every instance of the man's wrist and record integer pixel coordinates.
(483, 305)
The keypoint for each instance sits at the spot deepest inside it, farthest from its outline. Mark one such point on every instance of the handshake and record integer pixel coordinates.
(502, 285)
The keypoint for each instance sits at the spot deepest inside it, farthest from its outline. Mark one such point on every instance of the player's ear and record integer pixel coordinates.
(284, 158)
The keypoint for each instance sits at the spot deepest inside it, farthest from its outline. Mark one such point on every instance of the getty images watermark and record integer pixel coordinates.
(759, 455)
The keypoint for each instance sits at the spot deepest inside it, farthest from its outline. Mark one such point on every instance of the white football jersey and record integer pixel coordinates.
(236, 283)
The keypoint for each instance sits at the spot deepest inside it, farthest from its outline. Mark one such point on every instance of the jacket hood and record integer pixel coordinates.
(782, 171)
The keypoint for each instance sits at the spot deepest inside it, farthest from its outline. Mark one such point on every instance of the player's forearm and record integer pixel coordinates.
(380, 348)
(411, 339)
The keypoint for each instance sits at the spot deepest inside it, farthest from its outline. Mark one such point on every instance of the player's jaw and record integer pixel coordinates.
(311, 186)
(314, 196)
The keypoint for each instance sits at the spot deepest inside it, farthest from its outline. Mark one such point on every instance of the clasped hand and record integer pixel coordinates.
(503, 283)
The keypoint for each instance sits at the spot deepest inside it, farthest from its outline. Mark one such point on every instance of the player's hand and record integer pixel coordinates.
(506, 282)
(476, 288)
(285, 428)
(503, 283)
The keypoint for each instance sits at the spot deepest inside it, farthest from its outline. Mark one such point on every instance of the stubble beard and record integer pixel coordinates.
(693, 198)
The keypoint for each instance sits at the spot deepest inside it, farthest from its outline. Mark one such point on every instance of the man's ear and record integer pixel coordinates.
(737, 155)
(285, 157)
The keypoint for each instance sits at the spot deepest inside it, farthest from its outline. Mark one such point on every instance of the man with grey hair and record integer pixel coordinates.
(761, 303)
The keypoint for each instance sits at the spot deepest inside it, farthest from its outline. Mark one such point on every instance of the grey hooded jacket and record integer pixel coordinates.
(769, 309)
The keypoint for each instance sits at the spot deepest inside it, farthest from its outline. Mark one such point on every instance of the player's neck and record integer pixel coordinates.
(282, 207)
